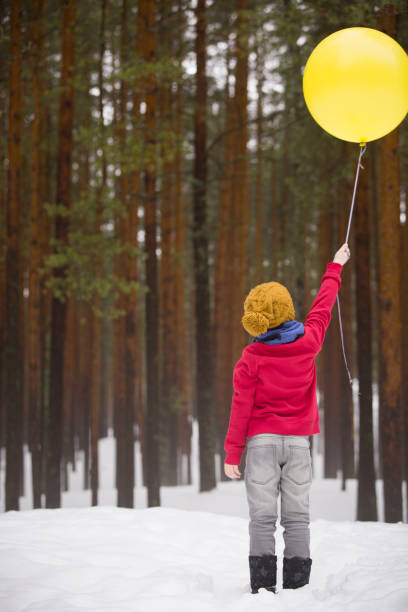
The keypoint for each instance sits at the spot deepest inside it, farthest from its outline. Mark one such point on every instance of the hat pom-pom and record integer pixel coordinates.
(255, 323)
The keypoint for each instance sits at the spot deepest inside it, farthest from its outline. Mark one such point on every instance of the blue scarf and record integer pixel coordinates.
(286, 332)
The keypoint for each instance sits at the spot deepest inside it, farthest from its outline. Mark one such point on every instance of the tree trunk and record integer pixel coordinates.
(34, 304)
(205, 406)
(347, 311)
(53, 493)
(366, 497)
(68, 400)
(96, 321)
(131, 329)
(81, 393)
(329, 374)
(375, 221)
(135, 314)
(3, 238)
(148, 37)
(45, 292)
(14, 300)
(240, 194)
(118, 340)
(258, 249)
(124, 420)
(184, 420)
(275, 247)
(222, 326)
(404, 324)
(168, 331)
(391, 425)
(85, 386)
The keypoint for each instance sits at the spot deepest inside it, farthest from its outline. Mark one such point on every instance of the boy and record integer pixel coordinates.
(274, 411)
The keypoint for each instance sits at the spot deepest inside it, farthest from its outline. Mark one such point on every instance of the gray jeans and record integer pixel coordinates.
(278, 462)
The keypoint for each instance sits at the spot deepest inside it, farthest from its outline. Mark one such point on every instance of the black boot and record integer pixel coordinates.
(296, 572)
(263, 572)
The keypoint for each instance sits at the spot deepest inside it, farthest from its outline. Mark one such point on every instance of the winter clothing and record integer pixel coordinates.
(275, 386)
(287, 332)
(273, 412)
(262, 572)
(267, 305)
(296, 572)
(278, 463)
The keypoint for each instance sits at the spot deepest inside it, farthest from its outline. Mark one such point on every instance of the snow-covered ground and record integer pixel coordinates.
(190, 554)
(166, 559)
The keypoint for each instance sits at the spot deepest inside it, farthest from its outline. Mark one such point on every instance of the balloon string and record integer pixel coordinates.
(362, 151)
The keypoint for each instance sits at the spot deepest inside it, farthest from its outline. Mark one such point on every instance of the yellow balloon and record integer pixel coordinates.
(355, 84)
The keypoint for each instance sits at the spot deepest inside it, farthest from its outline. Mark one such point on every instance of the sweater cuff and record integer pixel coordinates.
(333, 266)
(233, 458)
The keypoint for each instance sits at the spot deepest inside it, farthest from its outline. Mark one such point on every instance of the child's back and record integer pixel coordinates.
(275, 384)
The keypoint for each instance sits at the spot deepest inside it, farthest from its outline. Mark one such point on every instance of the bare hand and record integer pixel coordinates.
(232, 471)
(343, 254)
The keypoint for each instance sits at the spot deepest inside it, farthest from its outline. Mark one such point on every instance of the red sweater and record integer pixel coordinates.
(275, 385)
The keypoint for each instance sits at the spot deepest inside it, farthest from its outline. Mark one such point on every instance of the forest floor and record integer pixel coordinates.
(191, 553)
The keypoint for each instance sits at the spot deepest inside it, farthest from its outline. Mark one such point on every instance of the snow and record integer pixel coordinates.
(191, 553)
(155, 559)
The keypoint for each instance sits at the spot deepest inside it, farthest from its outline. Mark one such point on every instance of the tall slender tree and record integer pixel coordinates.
(96, 321)
(329, 375)
(404, 319)
(276, 234)
(34, 303)
(121, 189)
(68, 398)
(205, 406)
(346, 406)
(124, 405)
(366, 496)
(167, 298)
(240, 188)
(82, 372)
(59, 307)
(148, 36)
(390, 313)
(258, 248)
(135, 374)
(223, 281)
(183, 376)
(14, 299)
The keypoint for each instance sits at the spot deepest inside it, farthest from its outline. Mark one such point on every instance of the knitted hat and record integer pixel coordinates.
(267, 305)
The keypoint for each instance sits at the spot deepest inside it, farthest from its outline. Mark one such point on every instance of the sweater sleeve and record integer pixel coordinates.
(318, 319)
(244, 383)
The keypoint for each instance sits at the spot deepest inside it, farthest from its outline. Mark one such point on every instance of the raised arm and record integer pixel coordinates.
(318, 319)
(244, 383)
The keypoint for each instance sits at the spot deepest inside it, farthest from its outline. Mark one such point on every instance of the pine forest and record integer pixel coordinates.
(157, 161)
